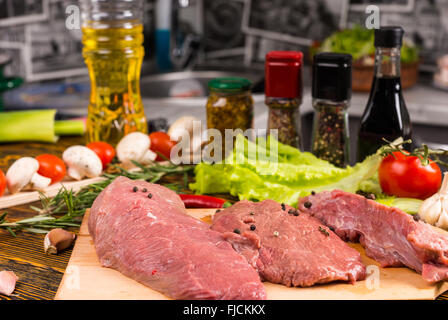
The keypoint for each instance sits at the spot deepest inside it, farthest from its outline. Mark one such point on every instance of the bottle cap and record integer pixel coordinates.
(389, 37)
(283, 74)
(332, 76)
(229, 84)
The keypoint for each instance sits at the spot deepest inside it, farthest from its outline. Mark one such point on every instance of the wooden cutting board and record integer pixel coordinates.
(85, 279)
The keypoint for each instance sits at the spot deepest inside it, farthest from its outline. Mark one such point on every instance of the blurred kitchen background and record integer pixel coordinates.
(42, 65)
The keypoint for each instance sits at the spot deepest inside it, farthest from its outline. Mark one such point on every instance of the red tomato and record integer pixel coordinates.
(104, 151)
(51, 167)
(161, 143)
(2, 183)
(405, 176)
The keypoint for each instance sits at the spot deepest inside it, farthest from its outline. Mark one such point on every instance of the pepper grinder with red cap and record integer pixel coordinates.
(283, 91)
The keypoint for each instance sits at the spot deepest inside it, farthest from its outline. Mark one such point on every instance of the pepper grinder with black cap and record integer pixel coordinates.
(331, 91)
(386, 115)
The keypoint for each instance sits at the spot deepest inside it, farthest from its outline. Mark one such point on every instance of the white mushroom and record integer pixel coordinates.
(182, 126)
(188, 129)
(135, 147)
(23, 175)
(82, 162)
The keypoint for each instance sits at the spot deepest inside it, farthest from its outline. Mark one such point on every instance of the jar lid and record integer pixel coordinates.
(229, 84)
(332, 76)
(283, 74)
(389, 37)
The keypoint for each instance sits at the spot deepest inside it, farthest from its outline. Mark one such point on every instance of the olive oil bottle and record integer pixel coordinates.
(113, 53)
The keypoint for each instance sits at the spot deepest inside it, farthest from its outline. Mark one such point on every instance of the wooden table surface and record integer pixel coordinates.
(39, 274)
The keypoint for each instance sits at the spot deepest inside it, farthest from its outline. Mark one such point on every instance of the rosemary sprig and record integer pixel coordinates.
(424, 153)
(67, 208)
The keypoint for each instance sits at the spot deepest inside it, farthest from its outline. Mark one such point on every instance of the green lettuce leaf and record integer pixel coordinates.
(286, 176)
(408, 205)
(359, 42)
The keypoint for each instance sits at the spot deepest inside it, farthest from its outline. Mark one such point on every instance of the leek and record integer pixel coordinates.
(36, 125)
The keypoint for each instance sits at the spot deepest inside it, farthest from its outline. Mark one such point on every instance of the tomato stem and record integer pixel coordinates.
(423, 153)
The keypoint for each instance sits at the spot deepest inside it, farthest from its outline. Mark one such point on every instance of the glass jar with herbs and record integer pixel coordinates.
(331, 91)
(283, 90)
(230, 105)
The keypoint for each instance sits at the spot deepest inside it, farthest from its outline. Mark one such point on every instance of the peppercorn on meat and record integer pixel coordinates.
(287, 246)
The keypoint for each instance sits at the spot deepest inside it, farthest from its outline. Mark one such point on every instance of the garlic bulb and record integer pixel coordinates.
(434, 210)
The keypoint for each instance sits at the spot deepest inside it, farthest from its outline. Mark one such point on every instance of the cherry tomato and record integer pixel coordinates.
(161, 143)
(51, 167)
(405, 176)
(2, 183)
(104, 151)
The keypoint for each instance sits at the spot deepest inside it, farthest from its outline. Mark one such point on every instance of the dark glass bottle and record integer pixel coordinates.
(386, 115)
(331, 91)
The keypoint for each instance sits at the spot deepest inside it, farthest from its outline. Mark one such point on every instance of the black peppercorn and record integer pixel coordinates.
(252, 227)
(313, 193)
(416, 217)
(135, 189)
(149, 195)
(283, 206)
(307, 204)
(219, 210)
(237, 231)
(293, 212)
(366, 195)
(144, 190)
(325, 232)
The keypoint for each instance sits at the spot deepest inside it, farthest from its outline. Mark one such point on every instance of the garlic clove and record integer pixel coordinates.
(444, 188)
(444, 201)
(8, 281)
(430, 210)
(443, 220)
(57, 240)
(434, 210)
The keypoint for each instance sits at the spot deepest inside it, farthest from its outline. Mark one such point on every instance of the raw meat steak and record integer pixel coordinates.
(389, 235)
(286, 248)
(147, 235)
